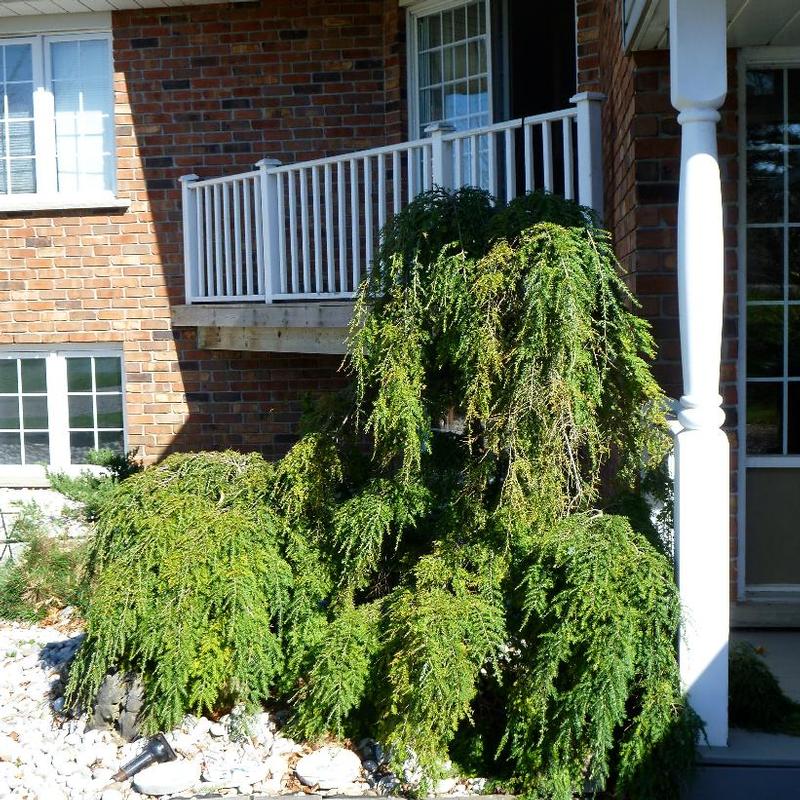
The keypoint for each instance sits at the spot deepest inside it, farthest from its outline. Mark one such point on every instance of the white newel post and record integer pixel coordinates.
(270, 222)
(441, 154)
(590, 149)
(702, 480)
(190, 232)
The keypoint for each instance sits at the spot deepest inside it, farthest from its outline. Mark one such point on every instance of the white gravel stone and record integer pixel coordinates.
(328, 768)
(446, 785)
(111, 794)
(167, 778)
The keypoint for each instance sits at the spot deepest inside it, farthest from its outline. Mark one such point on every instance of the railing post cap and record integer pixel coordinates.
(268, 162)
(582, 97)
(189, 178)
(440, 127)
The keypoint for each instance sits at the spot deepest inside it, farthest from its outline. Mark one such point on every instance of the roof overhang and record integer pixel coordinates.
(27, 8)
(751, 23)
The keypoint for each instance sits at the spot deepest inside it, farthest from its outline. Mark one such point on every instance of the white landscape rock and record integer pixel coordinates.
(167, 778)
(329, 768)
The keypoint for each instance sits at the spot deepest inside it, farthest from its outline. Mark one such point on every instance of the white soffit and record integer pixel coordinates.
(751, 23)
(24, 8)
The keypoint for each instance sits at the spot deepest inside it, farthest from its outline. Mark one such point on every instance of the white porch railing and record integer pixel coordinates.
(309, 231)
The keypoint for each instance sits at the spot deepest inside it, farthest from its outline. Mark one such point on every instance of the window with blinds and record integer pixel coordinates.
(56, 125)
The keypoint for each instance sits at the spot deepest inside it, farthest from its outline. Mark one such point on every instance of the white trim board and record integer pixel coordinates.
(55, 23)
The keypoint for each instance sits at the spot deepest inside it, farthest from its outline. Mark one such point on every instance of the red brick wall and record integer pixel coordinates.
(642, 164)
(208, 90)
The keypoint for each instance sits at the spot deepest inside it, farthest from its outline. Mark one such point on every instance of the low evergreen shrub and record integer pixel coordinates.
(430, 566)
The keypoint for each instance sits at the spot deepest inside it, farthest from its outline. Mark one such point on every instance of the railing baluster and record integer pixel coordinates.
(474, 164)
(427, 177)
(547, 155)
(302, 175)
(458, 167)
(247, 209)
(355, 240)
(397, 182)
(236, 199)
(200, 289)
(227, 286)
(569, 175)
(208, 202)
(530, 177)
(341, 207)
(293, 231)
(368, 231)
(412, 168)
(381, 192)
(261, 250)
(492, 153)
(284, 264)
(317, 229)
(511, 165)
(329, 254)
(219, 262)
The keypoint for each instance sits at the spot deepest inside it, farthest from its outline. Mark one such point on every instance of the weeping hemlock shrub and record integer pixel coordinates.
(433, 565)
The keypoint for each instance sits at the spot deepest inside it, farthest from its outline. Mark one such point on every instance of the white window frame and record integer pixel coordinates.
(58, 413)
(752, 58)
(423, 9)
(47, 196)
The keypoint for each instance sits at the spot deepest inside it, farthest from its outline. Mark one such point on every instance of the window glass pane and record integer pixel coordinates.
(764, 341)
(83, 104)
(447, 27)
(794, 264)
(109, 411)
(19, 97)
(65, 60)
(81, 413)
(764, 107)
(794, 341)
(33, 375)
(794, 186)
(79, 374)
(23, 179)
(37, 448)
(473, 20)
(764, 416)
(8, 375)
(765, 171)
(80, 445)
(18, 62)
(793, 420)
(10, 450)
(793, 93)
(34, 412)
(9, 412)
(111, 440)
(765, 264)
(108, 374)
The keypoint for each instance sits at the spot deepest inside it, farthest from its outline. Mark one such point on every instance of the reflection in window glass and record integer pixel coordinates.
(765, 341)
(452, 67)
(94, 387)
(17, 145)
(24, 423)
(764, 418)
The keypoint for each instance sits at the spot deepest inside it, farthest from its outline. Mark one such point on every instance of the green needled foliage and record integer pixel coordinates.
(429, 566)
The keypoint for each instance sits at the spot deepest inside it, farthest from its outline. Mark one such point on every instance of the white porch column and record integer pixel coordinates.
(702, 527)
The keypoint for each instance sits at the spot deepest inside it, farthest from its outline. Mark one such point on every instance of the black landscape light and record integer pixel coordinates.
(156, 751)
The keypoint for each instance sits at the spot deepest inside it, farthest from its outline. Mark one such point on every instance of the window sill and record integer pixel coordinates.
(23, 205)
